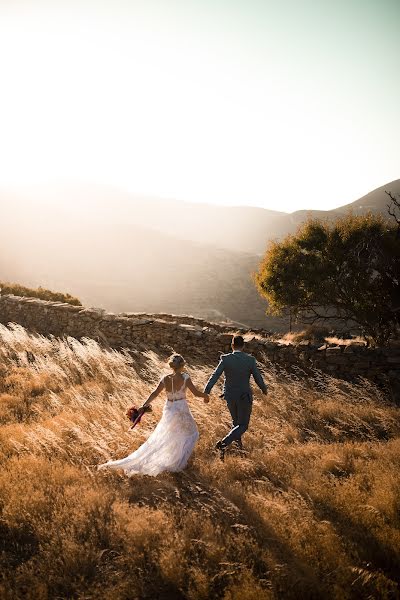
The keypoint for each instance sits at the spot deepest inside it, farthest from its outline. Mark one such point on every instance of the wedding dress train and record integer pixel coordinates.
(169, 446)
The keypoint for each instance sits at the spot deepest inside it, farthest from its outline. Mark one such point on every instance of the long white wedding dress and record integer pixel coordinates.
(169, 446)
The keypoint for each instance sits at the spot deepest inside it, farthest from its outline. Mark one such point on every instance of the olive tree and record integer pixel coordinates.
(346, 270)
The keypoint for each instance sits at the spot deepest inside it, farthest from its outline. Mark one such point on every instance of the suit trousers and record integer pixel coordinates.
(240, 407)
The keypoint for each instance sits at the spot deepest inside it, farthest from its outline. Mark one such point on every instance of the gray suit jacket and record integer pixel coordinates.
(237, 368)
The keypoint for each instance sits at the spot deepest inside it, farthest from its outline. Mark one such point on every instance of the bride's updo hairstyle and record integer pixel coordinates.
(176, 361)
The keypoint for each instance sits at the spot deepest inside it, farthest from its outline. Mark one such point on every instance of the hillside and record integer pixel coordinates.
(137, 269)
(241, 229)
(311, 510)
(128, 253)
(127, 267)
(376, 202)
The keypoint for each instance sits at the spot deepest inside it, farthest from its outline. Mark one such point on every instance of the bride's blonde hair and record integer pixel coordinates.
(176, 361)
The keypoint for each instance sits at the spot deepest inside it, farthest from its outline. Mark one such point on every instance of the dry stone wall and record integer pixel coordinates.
(190, 336)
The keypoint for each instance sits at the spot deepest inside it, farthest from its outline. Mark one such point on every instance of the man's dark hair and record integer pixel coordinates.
(238, 341)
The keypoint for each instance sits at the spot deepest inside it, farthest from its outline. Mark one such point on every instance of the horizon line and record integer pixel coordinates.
(76, 182)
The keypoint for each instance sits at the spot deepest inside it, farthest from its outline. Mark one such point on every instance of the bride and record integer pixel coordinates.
(170, 445)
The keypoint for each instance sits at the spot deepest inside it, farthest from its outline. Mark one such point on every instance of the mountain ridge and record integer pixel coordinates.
(177, 258)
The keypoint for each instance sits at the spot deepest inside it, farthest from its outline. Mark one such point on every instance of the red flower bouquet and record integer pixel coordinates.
(135, 414)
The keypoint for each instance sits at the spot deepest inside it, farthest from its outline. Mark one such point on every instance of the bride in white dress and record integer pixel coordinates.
(170, 445)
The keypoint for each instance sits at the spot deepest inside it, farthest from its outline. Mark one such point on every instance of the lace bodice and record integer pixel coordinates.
(177, 394)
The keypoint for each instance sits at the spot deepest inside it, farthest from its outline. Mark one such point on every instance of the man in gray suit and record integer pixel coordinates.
(237, 368)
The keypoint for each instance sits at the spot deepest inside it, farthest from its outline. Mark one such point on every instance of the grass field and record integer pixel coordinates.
(312, 510)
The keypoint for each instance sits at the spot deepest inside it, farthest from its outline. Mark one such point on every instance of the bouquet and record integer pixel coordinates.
(134, 414)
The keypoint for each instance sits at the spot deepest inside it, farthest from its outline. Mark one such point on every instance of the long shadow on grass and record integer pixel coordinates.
(17, 545)
(179, 492)
(370, 549)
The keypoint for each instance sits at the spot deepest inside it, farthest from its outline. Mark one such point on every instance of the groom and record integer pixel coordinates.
(237, 368)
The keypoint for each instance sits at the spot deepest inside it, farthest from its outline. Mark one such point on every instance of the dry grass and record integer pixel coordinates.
(311, 511)
(318, 334)
(44, 294)
(312, 333)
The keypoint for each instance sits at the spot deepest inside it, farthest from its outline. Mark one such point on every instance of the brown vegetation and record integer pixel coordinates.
(312, 509)
(40, 292)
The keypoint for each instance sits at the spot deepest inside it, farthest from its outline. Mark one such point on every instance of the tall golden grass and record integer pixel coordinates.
(311, 510)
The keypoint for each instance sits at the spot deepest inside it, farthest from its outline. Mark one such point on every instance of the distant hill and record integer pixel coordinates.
(137, 269)
(131, 253)
(375, 202)
(241, 229)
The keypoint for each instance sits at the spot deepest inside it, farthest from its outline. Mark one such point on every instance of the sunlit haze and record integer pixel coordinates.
(284, 105)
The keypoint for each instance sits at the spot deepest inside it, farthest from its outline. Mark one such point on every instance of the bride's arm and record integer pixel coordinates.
(154, 394)
(196, 391)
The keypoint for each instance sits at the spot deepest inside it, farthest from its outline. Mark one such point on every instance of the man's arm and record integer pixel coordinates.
(258, 378)
(214, 377)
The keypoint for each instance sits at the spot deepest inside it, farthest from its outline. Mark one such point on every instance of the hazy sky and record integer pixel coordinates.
(284, 104)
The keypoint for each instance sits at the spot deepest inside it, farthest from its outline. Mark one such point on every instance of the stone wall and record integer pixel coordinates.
(190, 336)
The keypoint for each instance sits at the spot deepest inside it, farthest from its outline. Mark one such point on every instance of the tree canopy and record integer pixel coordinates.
(347, 270)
